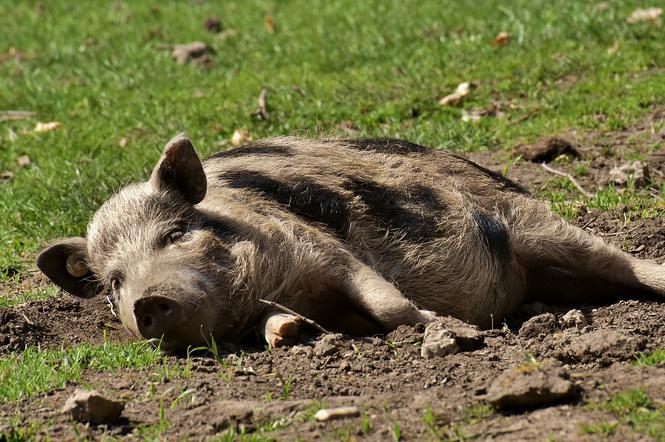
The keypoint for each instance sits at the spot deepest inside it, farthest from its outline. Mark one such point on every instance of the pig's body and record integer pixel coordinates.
(359, 236)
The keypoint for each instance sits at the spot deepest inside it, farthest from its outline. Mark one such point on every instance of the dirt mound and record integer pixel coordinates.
(57, 322)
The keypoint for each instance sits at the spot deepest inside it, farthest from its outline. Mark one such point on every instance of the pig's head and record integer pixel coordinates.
(164, 264)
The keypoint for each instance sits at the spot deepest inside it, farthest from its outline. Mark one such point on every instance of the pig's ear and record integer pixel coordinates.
(65, 263)
(180, 170)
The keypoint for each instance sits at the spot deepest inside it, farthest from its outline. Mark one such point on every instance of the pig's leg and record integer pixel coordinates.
(543, 241)
(382, 300)
(280, 329)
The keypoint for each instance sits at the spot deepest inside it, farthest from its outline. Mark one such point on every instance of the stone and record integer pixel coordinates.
(531, 385)
(438, 341)
(574, 318)
(538, 325)
(90, 406)
(467, 336)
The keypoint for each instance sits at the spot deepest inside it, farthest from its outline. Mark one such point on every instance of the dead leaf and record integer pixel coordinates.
(122, 142)
(213, 24)
(473, 115)
(269, 24)
(46, 127)
(640, 15)
(614, 48)
(194, 52)
(240, 137)
(262, 112)
(6, 176)
(23, 161)
(16, 115)
(462, 91)
(349, 128)
(501, 39)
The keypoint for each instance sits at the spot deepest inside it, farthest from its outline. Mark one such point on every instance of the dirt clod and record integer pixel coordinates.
(90, 406)
(532, 385)
(328, 345)
(467, 336)
(604, 346)
(547, 150)
(574, 318)
(213, 24)
(438, 341)
(538, 325)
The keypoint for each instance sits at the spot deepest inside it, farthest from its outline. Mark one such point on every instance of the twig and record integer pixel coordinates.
(262, 113)
(26, 319)
(12, 115)
(589, 223)
(627, 232)
(570, 177)
(297, 315)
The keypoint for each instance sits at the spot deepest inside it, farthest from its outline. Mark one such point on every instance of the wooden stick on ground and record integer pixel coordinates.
(297, 315)
(570, 177)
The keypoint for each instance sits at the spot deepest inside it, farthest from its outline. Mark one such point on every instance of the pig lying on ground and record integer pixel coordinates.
(358, 235)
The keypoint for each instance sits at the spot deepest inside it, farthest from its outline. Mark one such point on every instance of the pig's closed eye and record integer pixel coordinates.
(175, 236)
(116, 282)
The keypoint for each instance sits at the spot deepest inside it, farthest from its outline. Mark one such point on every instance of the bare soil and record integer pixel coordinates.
(385, 376)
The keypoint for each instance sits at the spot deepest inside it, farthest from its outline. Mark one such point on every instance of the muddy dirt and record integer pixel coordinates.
(400, 393)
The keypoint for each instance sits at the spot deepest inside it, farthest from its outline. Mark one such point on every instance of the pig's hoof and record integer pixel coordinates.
(281, 329)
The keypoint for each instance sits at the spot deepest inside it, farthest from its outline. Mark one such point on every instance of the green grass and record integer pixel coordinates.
(653, 358)
(99, 68)
(34, 371)
(635, 409)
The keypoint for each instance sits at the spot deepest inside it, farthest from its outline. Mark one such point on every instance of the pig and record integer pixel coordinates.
(357, 235)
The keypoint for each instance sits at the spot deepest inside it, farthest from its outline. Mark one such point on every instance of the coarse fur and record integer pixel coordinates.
(358, 235)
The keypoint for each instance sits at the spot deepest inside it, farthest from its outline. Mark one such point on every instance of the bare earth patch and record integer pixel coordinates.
(399, 393)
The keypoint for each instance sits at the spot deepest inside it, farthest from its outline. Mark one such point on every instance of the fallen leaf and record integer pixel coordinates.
(193, 52)
(501, 39)
(269, 24)
(6, 176)
(46, 127)
(349, 128)
(16, 115)
(23, 161)
(122, 142)
(462, 91)
(213, 24)
(261, 112)
(640, 15)
(240, 137)
(613, 49)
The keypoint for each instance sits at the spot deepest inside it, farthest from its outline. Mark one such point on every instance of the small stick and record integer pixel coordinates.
(570, 177)
(627, 232)
(589, 223)
(26, 319)
(262, 113)
(297, 315)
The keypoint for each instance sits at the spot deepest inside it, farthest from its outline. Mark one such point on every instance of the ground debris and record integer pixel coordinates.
(574, 318)
(196, 52)
(240, 137)
(213, 24)
(538, 325)
(547, 150)
(604, 346)
(90, 406)
(501, 39)
(531, 385)
(462, 91)
(641, 15)
(638, 170)
(328, 345)
(448, 335)
(327, 414)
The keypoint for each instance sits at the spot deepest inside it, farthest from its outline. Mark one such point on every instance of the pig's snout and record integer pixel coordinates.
(156, 316)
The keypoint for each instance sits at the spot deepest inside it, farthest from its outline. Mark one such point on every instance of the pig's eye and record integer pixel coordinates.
(116, 282)
(174, 236)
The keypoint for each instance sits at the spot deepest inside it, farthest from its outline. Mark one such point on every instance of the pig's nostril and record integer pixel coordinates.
(164, 307)
(146, 320)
